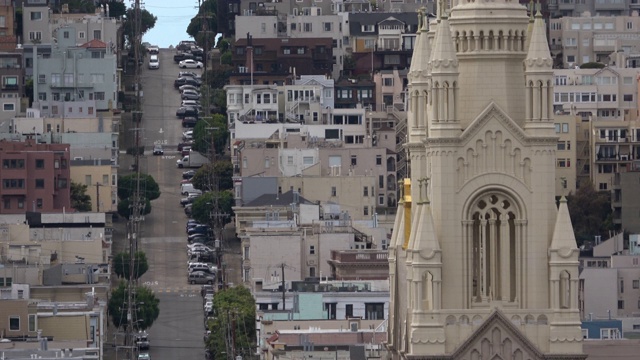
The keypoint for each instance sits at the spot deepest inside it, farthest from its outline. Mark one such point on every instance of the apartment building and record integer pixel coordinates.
(8, 38)
(40, 30)
(75, 81)
(277, 60)
(12, 85)
(574, 8)
(585, 38)
(267, 23)
(566, 154)
(35, 177)
(625, 199)
(381, 41)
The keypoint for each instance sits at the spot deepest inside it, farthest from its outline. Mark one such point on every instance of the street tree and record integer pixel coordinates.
(221, 171)
(204, 205)
(78, 6)
(232, 306)
(591, 213)
(206, 16)
(121, 264)
(147, 22)
(149, 188)
(80, 201)
(203, 134)
(145, 305)
(116, 8)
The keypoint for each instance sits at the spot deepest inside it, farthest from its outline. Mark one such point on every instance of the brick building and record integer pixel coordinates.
(34, 177)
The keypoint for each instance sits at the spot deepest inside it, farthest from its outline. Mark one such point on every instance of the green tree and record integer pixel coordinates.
(28, 90)
(202, 135)
(80, 201)
(146, 309)
(592, 65)
(116, 8)
(203, 206)
(232, 306)
(148, 186)
(121, 264)
(207, 16)
(79, 6)
(591, 213)
(147, 22)
(125, 209)
(222, 171)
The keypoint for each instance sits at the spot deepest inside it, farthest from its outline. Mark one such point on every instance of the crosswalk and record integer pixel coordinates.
(181, 290)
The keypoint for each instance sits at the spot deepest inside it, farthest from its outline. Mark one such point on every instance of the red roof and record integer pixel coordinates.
(94, 44)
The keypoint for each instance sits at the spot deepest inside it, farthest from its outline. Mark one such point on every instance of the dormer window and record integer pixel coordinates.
(368, 28)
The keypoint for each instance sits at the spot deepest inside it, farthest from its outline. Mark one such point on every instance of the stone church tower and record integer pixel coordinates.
(483, 263)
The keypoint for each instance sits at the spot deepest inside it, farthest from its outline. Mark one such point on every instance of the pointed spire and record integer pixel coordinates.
(421, 51)
(443, 56)
(531, 9)
(539, 54)
(563, 236)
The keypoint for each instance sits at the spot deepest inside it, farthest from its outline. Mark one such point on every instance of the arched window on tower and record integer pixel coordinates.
(565, 290)
(427, 291)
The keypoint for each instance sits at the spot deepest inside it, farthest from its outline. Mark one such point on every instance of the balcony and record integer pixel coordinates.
(360, 256)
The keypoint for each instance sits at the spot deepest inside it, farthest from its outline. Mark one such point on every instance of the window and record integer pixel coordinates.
(80, 34)
(602, 186)
(571, 58)
(301, 50)
(42, 96)
(307, 160)
(32, 322)
(368, 28)
(561, 145)
(9, 82)
(39, 203)
(36, 15)
(365, 211)
(380, 200)
(39, 163)
(7, 203)
(369, 43)
(381, 181)
(636, 284)
(3, 21)
(8, 107)
(14, 323)
(620, 304)
(97, 35)
(387, 82)
(99, 95)
(348, 311)
(333, 191)
(565, 127)
(365, 191)
(13, 164)
(286, 51)
(312, 250)
(354, 160)
(97, 78)
(564, 163)
(327, 26)
(374, 311)
(39, 183)
(35, 35)
(20, 203)
(13, 183)
(628, 80)
(307, 27)
(87, 180)
(65, 34)
(628, 97)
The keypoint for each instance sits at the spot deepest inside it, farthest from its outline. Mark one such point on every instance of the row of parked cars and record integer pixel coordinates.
(188, 83)
(200, 254)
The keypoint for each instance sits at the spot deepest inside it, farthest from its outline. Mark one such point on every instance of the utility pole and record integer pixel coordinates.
(135, 214)
(233, 335)
(216, 217)
(205, 58)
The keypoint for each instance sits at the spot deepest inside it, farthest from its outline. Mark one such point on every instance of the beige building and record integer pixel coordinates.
(566, 162)
(100, 176)
(482, 263)
(583, 39)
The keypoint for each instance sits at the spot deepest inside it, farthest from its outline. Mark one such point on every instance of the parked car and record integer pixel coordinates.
(189, 199)
(185, 111)
(185, 189)
(201, 277)
(142, 340)
(192, 103)
(189, 74)
(144, 356)
(198, 247)
(179, 56)
(188, 87)
(189, 122)
(199, 238)
(204, 229)
(189, 96)
(185, 45)
(187, 209)
(207, 289)
(187, 135)
(154, 62)
(186, 81)
(190, 64)
(188, 174)
(157, 150)
(183, 144)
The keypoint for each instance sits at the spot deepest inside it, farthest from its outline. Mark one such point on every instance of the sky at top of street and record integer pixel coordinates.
(173, 19)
